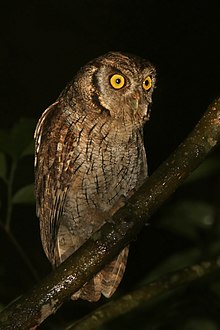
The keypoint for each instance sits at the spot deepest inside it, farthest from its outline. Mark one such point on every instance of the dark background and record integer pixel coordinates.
(44, 43)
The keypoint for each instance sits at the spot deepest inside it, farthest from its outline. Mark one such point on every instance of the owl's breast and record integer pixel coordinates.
(105, 175)
(113, 172)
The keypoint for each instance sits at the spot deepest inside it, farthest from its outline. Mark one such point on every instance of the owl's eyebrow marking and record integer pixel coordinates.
(115, 69)
(123, 70)
(95, 97)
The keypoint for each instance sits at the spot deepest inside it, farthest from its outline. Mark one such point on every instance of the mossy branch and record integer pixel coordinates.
(43, 300)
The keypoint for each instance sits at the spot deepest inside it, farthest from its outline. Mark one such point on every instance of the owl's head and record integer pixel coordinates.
(118, 85)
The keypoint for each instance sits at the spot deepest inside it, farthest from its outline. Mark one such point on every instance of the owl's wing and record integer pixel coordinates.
(54, 150)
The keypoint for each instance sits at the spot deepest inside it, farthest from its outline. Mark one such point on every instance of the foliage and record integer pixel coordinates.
(184, 231)
(16, 191)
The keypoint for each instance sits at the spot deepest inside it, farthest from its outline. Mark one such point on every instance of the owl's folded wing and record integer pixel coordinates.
(54, 153)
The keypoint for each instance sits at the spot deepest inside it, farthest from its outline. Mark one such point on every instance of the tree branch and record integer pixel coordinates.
(134, 299)
(34, 307)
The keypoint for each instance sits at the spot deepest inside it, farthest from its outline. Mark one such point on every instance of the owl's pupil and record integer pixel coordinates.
(146, 83)
(118, 81)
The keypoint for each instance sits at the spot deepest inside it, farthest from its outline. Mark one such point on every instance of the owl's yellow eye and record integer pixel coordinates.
(117, 81)
(147, 83)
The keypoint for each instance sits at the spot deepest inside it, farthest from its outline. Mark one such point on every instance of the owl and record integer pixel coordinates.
(90, 158)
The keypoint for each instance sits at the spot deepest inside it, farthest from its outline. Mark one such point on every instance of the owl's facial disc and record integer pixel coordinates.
(122, 87)
(140, 98)
(140, 107)
(127, 90)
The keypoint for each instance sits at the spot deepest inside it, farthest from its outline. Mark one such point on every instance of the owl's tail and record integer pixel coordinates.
(106, 281)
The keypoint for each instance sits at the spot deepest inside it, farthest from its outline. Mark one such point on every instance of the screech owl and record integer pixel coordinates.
(90, 157)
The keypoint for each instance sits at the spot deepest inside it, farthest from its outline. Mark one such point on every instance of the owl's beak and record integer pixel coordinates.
(135, 104)
(135, 100)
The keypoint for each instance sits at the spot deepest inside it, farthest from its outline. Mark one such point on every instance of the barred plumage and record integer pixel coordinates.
(90, 157)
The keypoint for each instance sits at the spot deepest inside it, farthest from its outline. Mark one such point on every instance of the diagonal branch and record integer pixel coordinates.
(43, 300)
(137, 298)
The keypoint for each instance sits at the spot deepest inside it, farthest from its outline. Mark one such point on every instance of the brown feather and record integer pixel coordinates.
(106, 281)
(89, 158)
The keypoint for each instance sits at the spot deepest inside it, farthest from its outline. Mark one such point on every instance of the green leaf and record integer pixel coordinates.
(25, 195)
(3, 167)
(208, 168)
(29, 150)
(17, 141)
(193, 216)
(22, 135)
